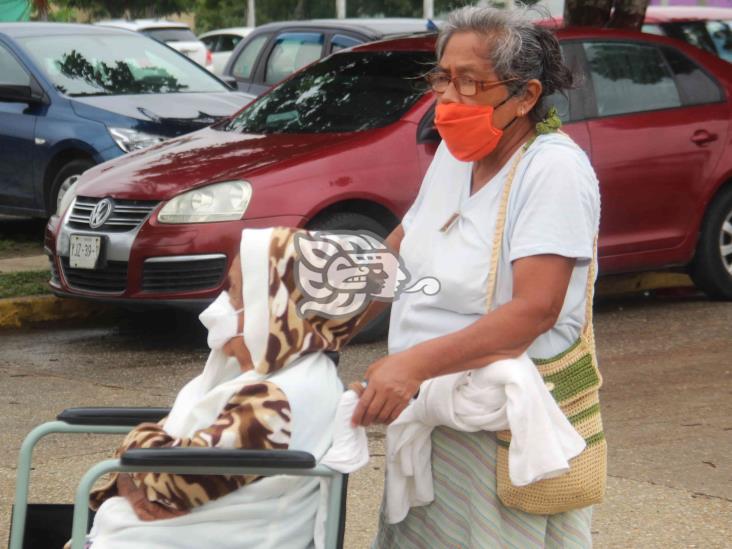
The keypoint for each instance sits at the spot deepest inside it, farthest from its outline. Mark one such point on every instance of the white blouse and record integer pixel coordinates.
(554, 208)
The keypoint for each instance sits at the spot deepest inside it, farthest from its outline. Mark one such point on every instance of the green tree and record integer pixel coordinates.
(127, 8)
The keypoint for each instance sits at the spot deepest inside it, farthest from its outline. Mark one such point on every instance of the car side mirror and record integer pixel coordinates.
(21, 94)
(428, 134)
(230, 81)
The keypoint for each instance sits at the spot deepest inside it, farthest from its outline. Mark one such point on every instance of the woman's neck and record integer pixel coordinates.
(485, 168)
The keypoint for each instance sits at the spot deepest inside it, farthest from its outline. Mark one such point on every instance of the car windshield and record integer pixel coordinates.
(346, 92)
(116, 64)
(171, 35)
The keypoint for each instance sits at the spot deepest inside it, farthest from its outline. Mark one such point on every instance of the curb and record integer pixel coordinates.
(614, 285)
(19, 312)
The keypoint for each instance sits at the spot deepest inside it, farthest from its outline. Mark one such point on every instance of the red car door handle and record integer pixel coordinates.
(702, 137)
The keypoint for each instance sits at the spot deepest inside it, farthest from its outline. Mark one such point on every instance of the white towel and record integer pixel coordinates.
(350, 449)
(507, 394)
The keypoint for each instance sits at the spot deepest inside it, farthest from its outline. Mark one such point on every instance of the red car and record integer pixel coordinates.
(344, 144)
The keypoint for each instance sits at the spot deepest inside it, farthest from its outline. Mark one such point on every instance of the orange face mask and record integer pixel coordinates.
(468, 130)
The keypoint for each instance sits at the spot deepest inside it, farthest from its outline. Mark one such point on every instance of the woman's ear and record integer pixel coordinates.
(531, 96)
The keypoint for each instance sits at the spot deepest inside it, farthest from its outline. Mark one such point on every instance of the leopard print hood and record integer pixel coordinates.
(275, 333)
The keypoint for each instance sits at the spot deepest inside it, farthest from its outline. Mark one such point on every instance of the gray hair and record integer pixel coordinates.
(519, 48)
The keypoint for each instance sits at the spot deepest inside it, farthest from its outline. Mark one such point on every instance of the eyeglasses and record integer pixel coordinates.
(464, 85)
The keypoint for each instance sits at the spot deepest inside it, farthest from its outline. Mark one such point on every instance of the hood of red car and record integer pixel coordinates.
(206, 156)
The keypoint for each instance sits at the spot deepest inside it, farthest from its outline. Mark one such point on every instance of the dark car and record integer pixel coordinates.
(274, 51)
(72, 96)
(344, 144)
(706, 28)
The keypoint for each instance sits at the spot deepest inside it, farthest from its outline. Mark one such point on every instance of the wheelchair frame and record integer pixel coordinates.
(207, 461)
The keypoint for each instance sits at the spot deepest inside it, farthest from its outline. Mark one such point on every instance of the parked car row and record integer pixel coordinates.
(345, 142)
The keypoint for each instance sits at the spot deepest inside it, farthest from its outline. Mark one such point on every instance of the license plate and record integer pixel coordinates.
(84, 251)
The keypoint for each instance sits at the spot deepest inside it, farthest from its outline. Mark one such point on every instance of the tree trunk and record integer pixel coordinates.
(587, 13)
(251, 11)
(629, 14)
(299, 12)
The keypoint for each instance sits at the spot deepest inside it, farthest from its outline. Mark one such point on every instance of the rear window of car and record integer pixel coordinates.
(696, 86)
(629, 77)
(348, 92)
(171, 35)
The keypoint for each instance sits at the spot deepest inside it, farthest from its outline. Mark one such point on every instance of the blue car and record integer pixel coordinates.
(72, 96)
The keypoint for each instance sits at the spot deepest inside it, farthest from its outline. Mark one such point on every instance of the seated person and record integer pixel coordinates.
(267, 384)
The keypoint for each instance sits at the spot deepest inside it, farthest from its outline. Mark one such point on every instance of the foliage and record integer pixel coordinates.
(213, 14)
(134, 9)
(24, 283)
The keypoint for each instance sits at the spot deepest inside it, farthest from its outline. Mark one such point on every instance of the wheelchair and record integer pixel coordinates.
(46, 526)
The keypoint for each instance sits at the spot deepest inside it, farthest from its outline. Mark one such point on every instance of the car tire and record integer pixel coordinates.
(378, 328)
(64, 180)
(711, 268)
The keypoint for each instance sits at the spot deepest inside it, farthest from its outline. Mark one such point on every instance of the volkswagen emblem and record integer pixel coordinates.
(101, 213)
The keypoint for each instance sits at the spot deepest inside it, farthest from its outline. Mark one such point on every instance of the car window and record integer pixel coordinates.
(248, 56)
(721, 34)
(211, 43)
(116, 64)
(629, 78)
(340, 42)
(292, 51)
(11, 71)
(228, 42)
(696, 86)
(347, 92)
(171, 35)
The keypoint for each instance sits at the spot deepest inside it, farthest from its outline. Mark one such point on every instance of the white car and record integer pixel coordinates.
(178, 36)
(221, 43)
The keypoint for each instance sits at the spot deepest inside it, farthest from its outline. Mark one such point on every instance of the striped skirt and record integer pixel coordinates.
(467, 513)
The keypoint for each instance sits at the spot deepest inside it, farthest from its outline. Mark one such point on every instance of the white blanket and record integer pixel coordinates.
(505, 394)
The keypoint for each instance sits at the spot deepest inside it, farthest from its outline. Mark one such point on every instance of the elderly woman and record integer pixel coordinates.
(268, 384)
(506, 219)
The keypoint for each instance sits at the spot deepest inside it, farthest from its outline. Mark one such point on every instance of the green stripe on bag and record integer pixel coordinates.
(584, 414)
(574, 379)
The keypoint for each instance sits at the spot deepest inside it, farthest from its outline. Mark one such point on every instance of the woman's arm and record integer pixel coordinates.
(374, 308)
(539, 287)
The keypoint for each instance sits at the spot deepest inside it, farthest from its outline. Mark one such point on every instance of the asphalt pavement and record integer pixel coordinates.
(666, 407)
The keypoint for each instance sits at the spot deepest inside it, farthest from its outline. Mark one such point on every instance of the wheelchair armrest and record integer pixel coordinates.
(217, 457)
(112, 416)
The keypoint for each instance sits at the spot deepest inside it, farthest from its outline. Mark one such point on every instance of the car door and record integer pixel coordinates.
(17, 134)
(247, 60)
(658, 132)
(287, 53)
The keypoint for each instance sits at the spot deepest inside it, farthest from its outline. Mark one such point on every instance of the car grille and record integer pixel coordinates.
(182, 274)
(111, 279)
(126, 214)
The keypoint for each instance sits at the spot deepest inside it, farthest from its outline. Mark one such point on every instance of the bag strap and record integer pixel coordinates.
(587, 330)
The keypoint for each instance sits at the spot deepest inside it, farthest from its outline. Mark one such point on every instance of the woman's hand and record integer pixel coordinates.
(392, 382)
(144, 509)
